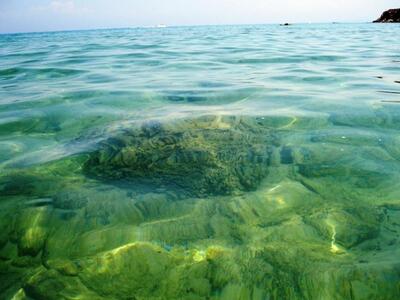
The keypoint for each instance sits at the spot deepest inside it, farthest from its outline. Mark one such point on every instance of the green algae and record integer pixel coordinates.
(207, 156)
(287, 189)
(268, 213)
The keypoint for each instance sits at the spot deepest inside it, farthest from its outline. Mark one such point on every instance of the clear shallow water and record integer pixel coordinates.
(229, 162)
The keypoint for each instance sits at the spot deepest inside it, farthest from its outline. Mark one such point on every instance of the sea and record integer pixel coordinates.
(208, 162)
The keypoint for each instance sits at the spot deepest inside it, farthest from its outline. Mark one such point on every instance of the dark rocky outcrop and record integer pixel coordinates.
(389, 16)
(203, 156)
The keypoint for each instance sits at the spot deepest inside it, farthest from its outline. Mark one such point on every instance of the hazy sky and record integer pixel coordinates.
(43, 15)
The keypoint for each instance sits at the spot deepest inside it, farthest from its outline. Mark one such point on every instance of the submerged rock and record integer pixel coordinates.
(204, 156)
(31, 230)
(347, 227)
(70, 200)
(389, 16)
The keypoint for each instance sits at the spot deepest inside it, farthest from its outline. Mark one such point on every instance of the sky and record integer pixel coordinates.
(51, 15)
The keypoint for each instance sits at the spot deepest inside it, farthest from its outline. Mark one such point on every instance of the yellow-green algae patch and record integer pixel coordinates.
(272, 211)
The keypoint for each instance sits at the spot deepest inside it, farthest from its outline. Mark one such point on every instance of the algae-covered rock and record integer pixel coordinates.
(313, 215)
(392, 145)
(18, 184)
(70, 200)
(5, 227)
(50, 284)
(137, 269)
(32, 241)
(382, 116)
(209, 155)
(65, 267)
(360, 177)
(31, 231)
(24, 183)
(347, 227)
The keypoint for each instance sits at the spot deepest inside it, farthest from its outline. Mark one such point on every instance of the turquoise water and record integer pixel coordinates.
(214, 162)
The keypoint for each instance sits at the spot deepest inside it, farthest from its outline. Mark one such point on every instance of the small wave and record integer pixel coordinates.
(286, 59)
(39, 73)
(210, 96)
(26, 54)
(390, 92)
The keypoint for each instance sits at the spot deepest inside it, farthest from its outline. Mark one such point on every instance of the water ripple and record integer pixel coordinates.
(70, 78)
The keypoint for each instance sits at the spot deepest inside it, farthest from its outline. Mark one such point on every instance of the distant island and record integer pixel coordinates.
(389, 16)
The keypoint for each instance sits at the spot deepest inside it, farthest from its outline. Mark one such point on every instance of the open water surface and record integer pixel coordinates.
(214, 162)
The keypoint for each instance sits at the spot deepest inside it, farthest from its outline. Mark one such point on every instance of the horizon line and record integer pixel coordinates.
(183, 25)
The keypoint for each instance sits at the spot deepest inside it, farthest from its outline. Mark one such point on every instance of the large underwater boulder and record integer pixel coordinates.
(389, 16)
(204, 156)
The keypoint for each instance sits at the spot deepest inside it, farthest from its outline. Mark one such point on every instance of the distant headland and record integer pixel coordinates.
(389, 16)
